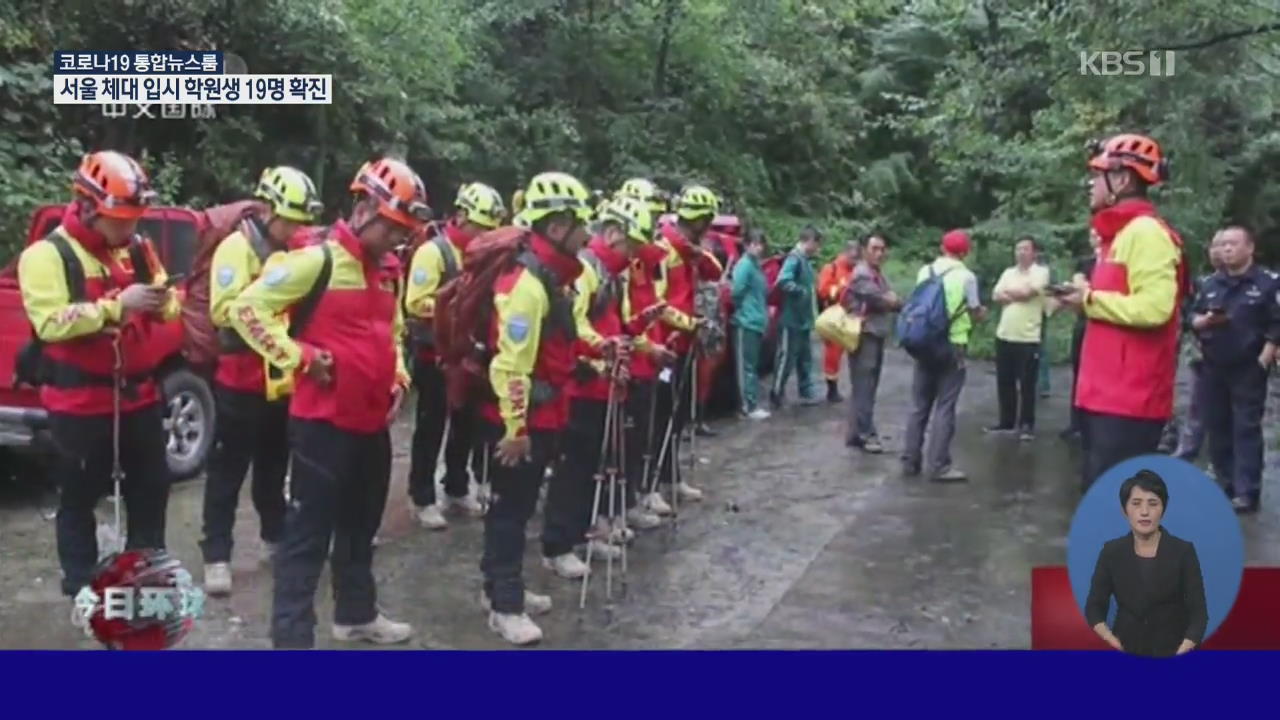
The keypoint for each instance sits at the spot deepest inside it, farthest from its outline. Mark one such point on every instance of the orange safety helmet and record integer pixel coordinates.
(115, 183)
(399, 191)
(1138, 153)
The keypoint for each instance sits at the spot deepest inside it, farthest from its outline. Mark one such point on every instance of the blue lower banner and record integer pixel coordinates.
(480, 684)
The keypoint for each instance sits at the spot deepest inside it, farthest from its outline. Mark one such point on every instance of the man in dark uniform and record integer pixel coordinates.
(1238, 321)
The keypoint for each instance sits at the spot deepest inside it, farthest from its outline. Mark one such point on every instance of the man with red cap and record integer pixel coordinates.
(935, 388)
(1125, 386)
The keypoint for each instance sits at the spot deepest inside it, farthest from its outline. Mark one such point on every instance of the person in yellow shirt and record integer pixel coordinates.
(251, 397)
(1021, 292)
(95, 295)
(478, 208)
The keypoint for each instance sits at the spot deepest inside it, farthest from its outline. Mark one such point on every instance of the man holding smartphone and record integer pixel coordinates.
(1237, 318)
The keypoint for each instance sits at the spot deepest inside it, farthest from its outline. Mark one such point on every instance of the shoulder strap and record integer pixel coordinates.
(257, 242)
(138, 260)
(446, 252)
(71, 266)
(306, 308)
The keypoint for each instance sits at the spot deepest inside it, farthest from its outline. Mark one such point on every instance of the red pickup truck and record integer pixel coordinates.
(189, 415)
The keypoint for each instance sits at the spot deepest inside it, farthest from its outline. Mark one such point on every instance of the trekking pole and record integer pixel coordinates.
(598, 478)
(617, 517)
(117, 470)
(693, 420)
(667, 437)
(621, 446)
(487, 493)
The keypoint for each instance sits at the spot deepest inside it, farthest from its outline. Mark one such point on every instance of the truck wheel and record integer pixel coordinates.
(188, 421)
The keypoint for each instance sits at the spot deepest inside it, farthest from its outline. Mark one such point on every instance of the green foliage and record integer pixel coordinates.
(905, 117)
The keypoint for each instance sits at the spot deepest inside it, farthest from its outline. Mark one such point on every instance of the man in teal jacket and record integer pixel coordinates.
(799, 309)
(750, 317)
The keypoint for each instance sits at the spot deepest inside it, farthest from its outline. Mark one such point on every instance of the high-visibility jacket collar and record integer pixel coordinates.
(566, 267)
(1111, 220)
(614, 261)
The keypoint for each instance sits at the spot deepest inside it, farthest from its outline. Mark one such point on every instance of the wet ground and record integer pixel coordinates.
(801, 543)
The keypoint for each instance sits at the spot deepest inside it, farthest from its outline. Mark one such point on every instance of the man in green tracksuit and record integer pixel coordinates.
(799, 309)
(750, 292)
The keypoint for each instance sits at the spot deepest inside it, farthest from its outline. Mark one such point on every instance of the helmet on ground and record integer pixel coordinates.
(290, 193)
(645, 191)
(696, 202)
(115, 183)
(1138, 153)
(631, 215)
(483, 204)
(399, 192)
(553, 192)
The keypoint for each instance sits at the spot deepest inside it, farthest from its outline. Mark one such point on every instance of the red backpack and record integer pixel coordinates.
(772, 267)
(464, 313)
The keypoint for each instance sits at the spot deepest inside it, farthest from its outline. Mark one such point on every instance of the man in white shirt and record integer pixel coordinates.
(1021, 292)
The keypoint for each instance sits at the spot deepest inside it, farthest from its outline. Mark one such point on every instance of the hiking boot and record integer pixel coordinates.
(430, 517)
(810, 401)
(515, 629)
(704, 430)
(949, 475)
(998, 429)
(1026, 434)
(833, 392)
(567, 566)
(654, 503)
(620, 534)
(688, 492)
(910, 469)
(217, 578)
(467, 504)
(775, 399)
(1243, 505)
(639, 517)
(534, 604)
(382, 631)
(872, 445)
(759, 414)
(602, 550)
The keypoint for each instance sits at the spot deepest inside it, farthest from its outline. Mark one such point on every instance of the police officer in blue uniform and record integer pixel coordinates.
(1237, 317)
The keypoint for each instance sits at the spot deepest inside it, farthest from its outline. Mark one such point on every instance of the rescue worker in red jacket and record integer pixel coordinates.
(95, 294)
(643, 275)
(478, 208)
(685, 264)
(832, 281)
(533, 340)
(604, 338)
(1125, 386)
(252, 398)
(351, 378)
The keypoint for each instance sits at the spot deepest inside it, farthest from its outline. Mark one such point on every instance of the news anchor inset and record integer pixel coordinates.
(1145, 591)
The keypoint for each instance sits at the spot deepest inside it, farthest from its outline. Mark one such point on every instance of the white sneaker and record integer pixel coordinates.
(269, 552)
(431, 518)
(382, 631)
(601, 551)
(759, 414)
(654, 503)
(217, 578)
(621, 534)
(688, 492)
(567, 566)
(466, 504)
(515, 629)
(640, 518)
(534, 604)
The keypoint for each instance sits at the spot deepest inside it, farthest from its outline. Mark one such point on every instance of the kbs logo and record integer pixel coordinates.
(1156, 63)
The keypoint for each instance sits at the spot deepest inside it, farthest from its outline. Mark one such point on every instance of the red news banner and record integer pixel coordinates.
(1252, 624)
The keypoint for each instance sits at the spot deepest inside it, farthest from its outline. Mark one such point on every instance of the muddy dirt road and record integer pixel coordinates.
(801, 543)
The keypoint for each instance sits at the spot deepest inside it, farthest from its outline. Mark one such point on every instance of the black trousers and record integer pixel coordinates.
(670, 406)
(1077, 344)
(250, 429)
(338, 490)
(572, 493)
(1234, 399)
(1108, 440)
(642, 434)
(515, 495)
(82, 469)
(428, 433)
(1017, 372)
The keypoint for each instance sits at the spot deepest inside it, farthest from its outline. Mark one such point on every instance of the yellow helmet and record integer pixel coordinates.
(645, 191)
(697, 202)
(290, 193)
(553, 192)
(483, 204)
(631, 214)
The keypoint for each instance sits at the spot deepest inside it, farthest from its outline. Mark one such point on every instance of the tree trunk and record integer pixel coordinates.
(664, 47)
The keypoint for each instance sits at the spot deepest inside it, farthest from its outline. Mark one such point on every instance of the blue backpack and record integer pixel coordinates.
(924, 325)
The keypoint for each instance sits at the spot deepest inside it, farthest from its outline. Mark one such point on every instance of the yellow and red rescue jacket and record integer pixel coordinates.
(643, 291)
(533, 340)
(79, 336)
(239, 260)
(1130, 350)
(683, 267)
(358, 320)
(833, 279)
(602, 309)
(429, 269)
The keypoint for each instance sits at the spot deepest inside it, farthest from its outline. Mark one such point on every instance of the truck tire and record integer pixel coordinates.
(189, 418)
